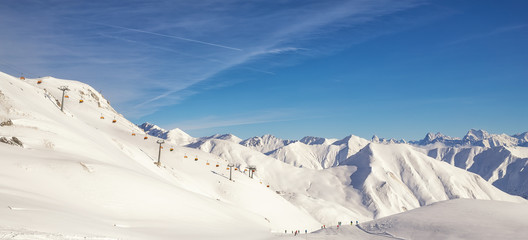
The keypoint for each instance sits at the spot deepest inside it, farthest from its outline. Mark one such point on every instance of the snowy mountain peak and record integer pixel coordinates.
(438, 137)
(176, 135)
(522, 136)
(347, 139)
(476, 135)
(149, 126)
(376, 139)
(227, 137)
(154, 130)
(266, 143)
(180, 135)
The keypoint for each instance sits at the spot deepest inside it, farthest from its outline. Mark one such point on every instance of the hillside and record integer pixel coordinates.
(89, 173)
(80, 175)
(499, 159)
(455, 219)
(378, 181)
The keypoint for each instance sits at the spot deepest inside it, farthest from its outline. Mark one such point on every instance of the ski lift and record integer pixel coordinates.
(145, 138)
(81, 101)
(22, 78)
(39, 81)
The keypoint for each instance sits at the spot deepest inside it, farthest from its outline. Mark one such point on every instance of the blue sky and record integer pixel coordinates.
(397, 69)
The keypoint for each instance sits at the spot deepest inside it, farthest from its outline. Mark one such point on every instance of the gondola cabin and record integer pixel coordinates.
(185, 156)
(145, 138)
(227, 168)
(207, 163)
(267, 186)
(39, 81)
(133, 134)
(66, 96)
(195, 159)
(22, 78)
(236, 169)
(114, 121)
(81, 101)
(171, 149)
(217, 165)
(101, 117)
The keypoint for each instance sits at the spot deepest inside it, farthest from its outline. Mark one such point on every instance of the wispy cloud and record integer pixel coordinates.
(158, 34)
(148, 56)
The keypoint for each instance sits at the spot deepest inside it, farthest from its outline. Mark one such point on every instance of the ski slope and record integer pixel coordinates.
(78, 174)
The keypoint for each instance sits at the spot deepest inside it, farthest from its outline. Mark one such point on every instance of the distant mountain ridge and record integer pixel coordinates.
(476, 138)
(498, 158)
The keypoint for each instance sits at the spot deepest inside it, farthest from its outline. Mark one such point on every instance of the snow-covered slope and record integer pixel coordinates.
(500, 159)
(377, 181)
(456, 219)
(228, 137)
(175, 136)
(319, 153)
(266, 143)
(80, 174)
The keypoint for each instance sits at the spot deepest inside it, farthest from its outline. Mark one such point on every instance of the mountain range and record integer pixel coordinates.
(86, 172)
(498, 158)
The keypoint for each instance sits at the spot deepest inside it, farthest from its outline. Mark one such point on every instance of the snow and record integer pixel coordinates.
(265, 144)
(456, 219)
(77, 176)
(175, 136)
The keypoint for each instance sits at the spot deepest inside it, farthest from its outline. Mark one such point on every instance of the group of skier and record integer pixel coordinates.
(296, 232)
